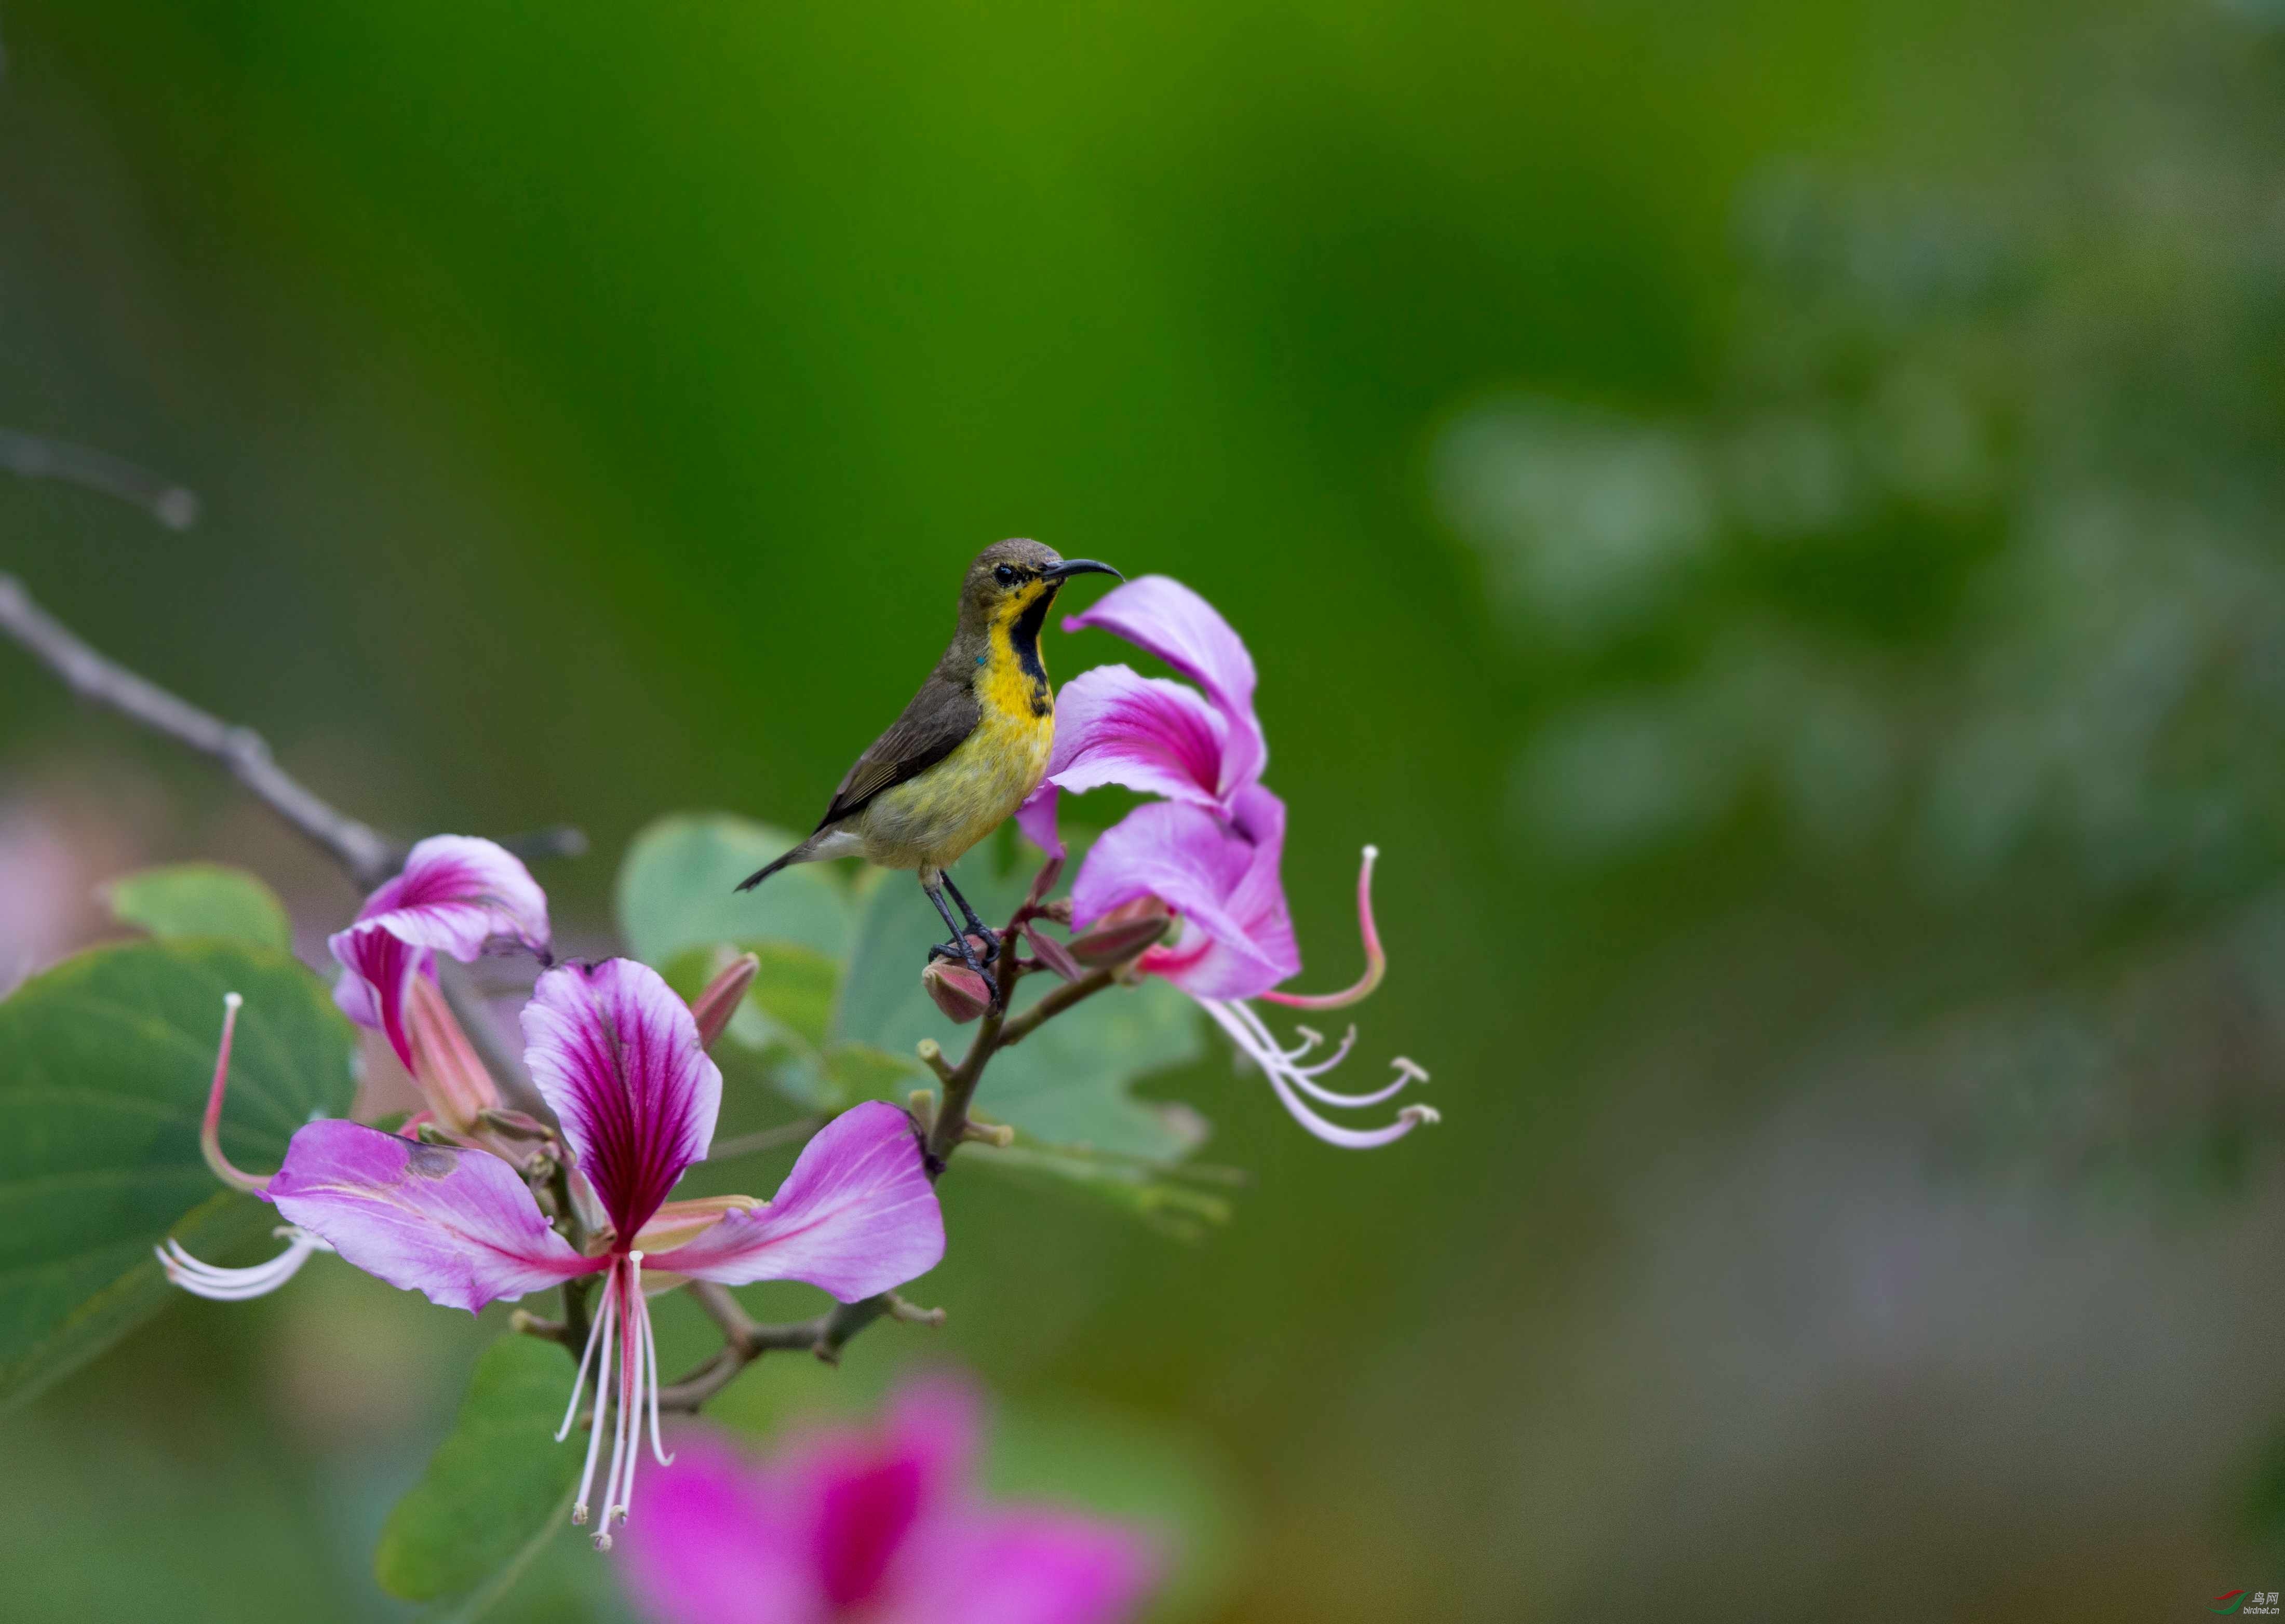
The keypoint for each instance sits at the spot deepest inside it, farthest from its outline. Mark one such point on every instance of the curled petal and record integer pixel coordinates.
(456, 1224)
(618, 1056)
(1158, 737)
(856, 1216)
(1222, 878)
(455, 894)
(1290, 1080)
(1165, 617)
(236, 1285)
(1376, 961)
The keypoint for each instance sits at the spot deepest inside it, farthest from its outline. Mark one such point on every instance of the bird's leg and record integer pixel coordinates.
(958, 946)
(976, 927)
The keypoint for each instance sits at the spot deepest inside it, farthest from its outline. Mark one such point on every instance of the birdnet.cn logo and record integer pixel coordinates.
(2248, 1603)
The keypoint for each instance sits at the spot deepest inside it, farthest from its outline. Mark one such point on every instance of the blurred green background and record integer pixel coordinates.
(1767, 512)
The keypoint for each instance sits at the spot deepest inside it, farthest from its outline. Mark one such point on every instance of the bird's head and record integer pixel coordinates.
(1011, 581)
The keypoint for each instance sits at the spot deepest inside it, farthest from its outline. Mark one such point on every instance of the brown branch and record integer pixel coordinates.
(767, 1138)
(369, 857)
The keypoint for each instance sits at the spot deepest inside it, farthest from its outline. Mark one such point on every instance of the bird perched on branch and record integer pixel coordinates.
(968, 750)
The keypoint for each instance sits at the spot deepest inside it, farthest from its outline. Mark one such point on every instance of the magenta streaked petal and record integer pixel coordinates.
(1237, 934)
(1156, 612)
(377, 972)
(455, 893)
(856, 1216)
(715, 1545)
(618, 1056)
(1036, 817)
(866, 1506)
(1024, 1566)
(457, 1224)
(1158, 737)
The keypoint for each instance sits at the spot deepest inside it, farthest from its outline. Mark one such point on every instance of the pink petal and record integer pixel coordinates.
(1158, 737)
(867, 1505)
(715, 1546)
(1036, 817)
(1237, 934)
(618, 1056)
(1024, 1566)
(457, 1224)
(856, 1216)
(1156, 613)
(455, 894)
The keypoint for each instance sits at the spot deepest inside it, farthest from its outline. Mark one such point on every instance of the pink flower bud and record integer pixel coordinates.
(719, 1001)
(958, 991)
(1122, 933)
(452, 1078)
(1052, 953)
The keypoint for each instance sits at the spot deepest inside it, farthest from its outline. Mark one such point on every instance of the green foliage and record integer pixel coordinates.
(201, 899)
(105, 1061)
(497, 1489)
(678, 889)
(838, 1008)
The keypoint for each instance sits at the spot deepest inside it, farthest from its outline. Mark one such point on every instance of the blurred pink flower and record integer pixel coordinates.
(879, 1526)
(1211, 851)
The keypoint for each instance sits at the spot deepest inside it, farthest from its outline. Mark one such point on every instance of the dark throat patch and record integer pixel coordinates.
(1023, 638)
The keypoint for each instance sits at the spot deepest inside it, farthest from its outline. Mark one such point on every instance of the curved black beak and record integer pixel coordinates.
(1078, 565)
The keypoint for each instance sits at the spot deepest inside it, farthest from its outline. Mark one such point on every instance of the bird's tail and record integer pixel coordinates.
(766, 870)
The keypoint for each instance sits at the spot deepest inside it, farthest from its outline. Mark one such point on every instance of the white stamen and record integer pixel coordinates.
(595, 1432)
(1303, 1077)
(237, 1285)
(579, 1381)
(650, 1364)
(1290, 1080)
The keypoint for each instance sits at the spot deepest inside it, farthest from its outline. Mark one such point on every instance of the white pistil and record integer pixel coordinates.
(1290, 1079)
(236, 1285)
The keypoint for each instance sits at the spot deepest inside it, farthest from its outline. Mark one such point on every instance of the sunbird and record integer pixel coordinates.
(968, 750)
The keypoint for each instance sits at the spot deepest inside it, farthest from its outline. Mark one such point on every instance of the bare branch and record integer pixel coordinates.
(33, 457)
(369, 857)
(766, 1138)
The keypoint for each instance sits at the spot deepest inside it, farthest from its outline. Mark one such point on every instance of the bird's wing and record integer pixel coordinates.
(942, 714)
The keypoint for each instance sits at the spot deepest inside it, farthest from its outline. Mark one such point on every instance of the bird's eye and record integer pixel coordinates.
(1005, 574)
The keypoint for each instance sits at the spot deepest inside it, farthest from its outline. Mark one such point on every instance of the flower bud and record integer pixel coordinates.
(957, 989)
(719, 1001)
(1122, 933)
(1052, 953)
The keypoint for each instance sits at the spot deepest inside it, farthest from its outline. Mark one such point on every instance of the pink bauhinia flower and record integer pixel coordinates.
(1209, 852)
(621, 1062)
(455, 894)
(879, 1526)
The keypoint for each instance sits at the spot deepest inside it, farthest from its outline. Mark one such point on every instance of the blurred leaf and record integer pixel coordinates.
(202, 899)
(679, 888)
(105, 1061)
(859, 1071)
(1067, 1083)
(796, 987)
(497, 1488)
(1172, 1204)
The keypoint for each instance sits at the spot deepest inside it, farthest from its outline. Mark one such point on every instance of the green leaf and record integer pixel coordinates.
(1067, 1083)
(496, 1490)
(105, 1065)
(1170, 1200)
(678, 889)
(202, 899)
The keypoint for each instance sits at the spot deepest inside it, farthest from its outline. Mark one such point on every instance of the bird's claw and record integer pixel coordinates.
(951, 950)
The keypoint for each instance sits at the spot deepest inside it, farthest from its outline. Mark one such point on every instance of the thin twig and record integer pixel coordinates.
(35, 457)
(369, 857)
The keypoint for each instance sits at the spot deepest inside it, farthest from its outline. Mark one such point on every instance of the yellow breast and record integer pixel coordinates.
(930, 820)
